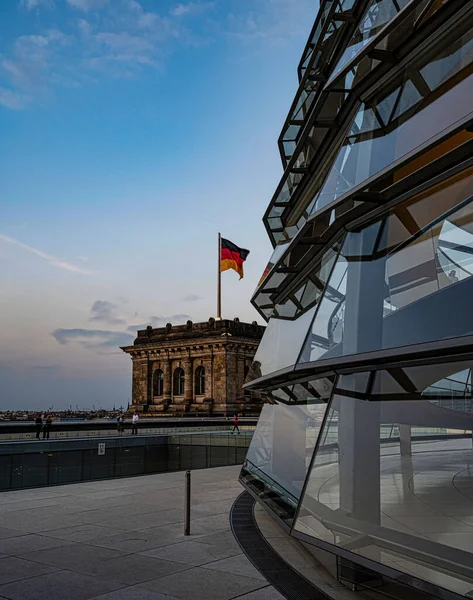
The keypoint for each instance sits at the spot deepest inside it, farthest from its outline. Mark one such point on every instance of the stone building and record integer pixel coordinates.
(197, 368)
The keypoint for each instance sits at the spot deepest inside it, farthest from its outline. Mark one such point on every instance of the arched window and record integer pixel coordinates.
(158, 383)
(179, 378)
(200, 381)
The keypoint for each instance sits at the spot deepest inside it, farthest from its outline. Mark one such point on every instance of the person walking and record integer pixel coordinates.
(47, 427)
(39, 426)
(120, 424)
(134, 423)
(235, 424)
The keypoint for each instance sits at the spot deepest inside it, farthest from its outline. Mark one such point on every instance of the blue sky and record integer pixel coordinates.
(131, 133)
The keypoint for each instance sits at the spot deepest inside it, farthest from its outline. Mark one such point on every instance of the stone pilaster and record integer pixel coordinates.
(167, 383)
(189, 381)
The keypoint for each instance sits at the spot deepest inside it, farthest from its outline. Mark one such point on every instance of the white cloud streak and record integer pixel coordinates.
(191, 8)
(52, 260)
(31, 4)
(87, 5)
(11, 99)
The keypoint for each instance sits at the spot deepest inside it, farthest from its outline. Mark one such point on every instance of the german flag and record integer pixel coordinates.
(232, 257)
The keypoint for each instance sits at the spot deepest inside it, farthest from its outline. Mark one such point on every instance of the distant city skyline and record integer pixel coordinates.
(132, 132)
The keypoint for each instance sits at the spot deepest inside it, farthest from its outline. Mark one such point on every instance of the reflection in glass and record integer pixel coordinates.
(410, 114)
(377, 15)
(283, 443)
(391, 481)
(396, 282)
(281, 344)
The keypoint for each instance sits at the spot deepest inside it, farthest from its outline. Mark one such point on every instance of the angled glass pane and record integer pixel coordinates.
(404, 280)
(283, 443)
(281, 344)
(418, 114)
(391, 482)
(377, 15)
(324, 334)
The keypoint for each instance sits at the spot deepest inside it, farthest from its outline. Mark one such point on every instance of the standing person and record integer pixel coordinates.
(120, 424)
(235, 424)
(47, 427)
(39, 426)
(134, 423)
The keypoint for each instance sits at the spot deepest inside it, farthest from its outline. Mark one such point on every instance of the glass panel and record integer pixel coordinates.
(281, 344)
(282, 446)
(391, 480)
(377, 15)
(419, 114)
(396, 282)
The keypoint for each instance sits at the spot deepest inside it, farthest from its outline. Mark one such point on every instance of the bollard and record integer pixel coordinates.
(187, 507)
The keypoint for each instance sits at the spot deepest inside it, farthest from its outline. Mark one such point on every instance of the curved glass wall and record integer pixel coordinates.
(377, 15)
(393, 278)
(283, 443)
(431, 96)
(290, 319)
(391, 477)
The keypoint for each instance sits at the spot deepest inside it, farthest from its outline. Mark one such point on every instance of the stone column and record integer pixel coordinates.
(144, 381)
(189, 381)
(167, 383)
(136, 393)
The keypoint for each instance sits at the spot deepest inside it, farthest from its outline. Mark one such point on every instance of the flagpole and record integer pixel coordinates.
(219, 280)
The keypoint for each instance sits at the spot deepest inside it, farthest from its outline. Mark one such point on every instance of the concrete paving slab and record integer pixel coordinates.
(133, 593)
(133, 541)
(60, 585)
(191, 553)
(134, 568)
(30, 524)
(28, 543)
(76, 557)
(238, 565)
(6, 533)
(203, 584)
(82, 533)
(267, 593)
(14, 569)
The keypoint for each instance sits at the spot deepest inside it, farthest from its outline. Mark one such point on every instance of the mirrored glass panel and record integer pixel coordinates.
(281, 344)
(283, 443)
(391, 480)
(403, 280)
(431, 96)
(377, 15)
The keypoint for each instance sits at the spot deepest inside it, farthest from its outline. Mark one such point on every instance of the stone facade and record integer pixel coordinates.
(197, 368)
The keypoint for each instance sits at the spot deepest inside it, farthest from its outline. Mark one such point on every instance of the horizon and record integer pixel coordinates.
(132, 133)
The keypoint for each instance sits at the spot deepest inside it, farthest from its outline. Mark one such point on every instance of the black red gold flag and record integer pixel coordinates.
(232, 257)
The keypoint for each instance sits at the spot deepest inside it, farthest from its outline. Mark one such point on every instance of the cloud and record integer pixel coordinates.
(160, 322)
(124, 48)
(93, 338)
(52, 260)
(192, 298)
(11, 99)
(30, 4)
(87, 5)
(191, 8)
(272, 22)
(34, 62)
(105, 312)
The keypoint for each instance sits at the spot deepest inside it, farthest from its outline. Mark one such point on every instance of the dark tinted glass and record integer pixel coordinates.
(409, 115)
(405, 280)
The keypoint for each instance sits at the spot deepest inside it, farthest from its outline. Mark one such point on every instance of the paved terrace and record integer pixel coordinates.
(123, 540)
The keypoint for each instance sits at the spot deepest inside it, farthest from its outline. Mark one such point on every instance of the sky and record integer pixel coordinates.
(131, 133)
